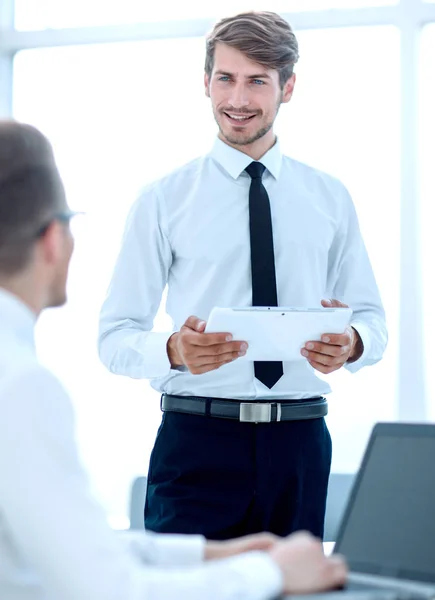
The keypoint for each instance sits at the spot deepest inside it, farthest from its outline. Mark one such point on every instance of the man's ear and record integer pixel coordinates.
(287, 91)
(207, 85)
(51, 243)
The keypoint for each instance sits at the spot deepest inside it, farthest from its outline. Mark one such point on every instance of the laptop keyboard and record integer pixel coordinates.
(354, 586)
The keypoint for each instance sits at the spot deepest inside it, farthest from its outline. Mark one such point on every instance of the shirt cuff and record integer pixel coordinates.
(158, 348)
(158, 363)
(364, 333)
(259, 576)
(179, 550)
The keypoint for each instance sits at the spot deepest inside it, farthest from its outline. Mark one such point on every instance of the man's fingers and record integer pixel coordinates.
(201, 359)
(201, 326)
(202, 352)
(196, 338)
(195, 324)
(333, 303)
(213, 339)
(332, 340)
(325, 349)
(323, 368)
(323, 359)
(339, 570)
(205, 341)
(218, 350)
(217, 359)
(337, 339)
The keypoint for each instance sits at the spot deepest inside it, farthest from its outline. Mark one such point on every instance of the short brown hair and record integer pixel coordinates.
(264, 37)
(31, 192)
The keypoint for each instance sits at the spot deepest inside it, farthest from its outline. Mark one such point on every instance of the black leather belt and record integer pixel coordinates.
(247, 412)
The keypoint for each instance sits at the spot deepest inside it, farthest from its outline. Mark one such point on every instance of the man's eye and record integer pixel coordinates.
(224, 78)
(258, 81)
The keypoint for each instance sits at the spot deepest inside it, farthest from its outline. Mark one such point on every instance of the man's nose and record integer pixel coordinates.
(239, 97)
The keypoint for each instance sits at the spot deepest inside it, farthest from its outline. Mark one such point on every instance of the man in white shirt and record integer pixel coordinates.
(243, 225)
(55, 543)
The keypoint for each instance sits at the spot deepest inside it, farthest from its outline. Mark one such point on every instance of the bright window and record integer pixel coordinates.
(111, 115)
(345, 120)
(118, 118)
(427, 187)
(55, 14)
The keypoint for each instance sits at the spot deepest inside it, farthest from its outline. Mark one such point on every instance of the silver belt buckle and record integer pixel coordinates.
(255, 412)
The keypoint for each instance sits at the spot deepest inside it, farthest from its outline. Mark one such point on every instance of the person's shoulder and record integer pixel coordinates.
(313, 178)
(26, 381)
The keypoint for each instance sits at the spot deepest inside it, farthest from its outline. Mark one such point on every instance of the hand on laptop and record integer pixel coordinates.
(202, 352)
(247, 543)
(335, 349)
(304, 566)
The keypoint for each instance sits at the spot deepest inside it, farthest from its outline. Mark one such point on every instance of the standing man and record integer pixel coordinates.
(242, 226)
(55, 542)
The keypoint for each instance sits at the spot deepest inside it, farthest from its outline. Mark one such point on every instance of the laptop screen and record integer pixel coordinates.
(389, 524)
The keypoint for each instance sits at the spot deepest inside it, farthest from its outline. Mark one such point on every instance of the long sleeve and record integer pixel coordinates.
(351, 280)
(127, 346)
(165, 549)
(62, 533)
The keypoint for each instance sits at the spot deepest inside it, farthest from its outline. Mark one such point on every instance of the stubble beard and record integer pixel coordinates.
(243, 139)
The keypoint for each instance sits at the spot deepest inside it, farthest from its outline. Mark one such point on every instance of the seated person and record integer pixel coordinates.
(55, 543)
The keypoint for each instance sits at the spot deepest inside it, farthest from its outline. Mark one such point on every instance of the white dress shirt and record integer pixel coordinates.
(190, 230)
(55, 543)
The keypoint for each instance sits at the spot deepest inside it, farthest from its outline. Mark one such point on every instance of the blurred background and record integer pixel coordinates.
(118, 88)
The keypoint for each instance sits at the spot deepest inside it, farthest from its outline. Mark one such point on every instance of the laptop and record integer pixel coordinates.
(387, 533)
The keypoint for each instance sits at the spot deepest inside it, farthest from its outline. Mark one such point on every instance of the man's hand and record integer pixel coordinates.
(202, 352)
(304, 566)
(248, 543)
(335, 349)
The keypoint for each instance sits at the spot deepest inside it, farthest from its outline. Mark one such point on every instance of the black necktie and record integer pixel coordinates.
(262, 262)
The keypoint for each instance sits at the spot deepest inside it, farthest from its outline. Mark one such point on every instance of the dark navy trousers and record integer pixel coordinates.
(223, 479)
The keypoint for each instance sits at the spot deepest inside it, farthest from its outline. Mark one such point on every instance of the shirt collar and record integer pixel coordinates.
(235, 162)
(16, 317)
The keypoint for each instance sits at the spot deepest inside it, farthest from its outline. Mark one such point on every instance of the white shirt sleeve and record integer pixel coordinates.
(55, 523)
(351, 280)
(127, 346)
(165, 549)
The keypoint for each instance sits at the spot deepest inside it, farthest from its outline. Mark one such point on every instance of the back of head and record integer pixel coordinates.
(31, 192)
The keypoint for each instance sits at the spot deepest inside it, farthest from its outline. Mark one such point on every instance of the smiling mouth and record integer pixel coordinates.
(238, 119)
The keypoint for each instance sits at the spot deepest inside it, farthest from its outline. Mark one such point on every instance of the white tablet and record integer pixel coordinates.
(277, 333)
